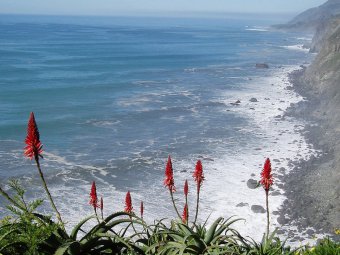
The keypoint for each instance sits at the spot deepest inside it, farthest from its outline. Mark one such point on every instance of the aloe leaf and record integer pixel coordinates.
(210, 234)
(64, 248)
(76, 229)
(185, 229)
(7, 234)
(200, 245)
(11, 244)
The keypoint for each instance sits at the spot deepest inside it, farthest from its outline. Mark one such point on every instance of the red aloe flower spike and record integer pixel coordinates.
(266, 176)
(185, 214)
(186, 191)
(198, 174)
(169, 176)
(93, 196)
(141, 209)
(128, 203)
(33, 147)
(170, 183)
(267, 182)
(199, 178)
(186, 188)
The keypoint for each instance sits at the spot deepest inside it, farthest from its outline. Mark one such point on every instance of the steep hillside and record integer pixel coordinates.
(323, 75)
(323, 31)
(318, 197)
(312, 18)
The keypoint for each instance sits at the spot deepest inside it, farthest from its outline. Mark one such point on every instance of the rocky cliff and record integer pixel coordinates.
(319, 194)
(323, 75)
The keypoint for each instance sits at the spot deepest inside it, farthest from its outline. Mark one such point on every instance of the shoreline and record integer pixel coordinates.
(309, 204)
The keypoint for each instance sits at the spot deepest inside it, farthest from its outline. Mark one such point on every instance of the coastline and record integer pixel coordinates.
(311, 204)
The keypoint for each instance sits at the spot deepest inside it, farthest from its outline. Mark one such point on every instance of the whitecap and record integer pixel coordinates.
(298, 47)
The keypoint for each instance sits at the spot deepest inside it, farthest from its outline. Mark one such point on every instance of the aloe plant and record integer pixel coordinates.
(182, 239)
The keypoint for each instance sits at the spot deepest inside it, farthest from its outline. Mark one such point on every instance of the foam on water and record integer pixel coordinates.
(280, 140)
(226, 172)
(298, 47)
(257, 29)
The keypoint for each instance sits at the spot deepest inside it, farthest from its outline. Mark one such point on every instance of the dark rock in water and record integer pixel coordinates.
(242, 204)
(310, 232)
(258, 209)
(253, 99)
(267, 98)
(252, 184)
(253, 175)
(183, 171)
(289, 88)
(280, 232)
(276, 213)
(301, 239)
(236, 102)
(251, 108)
(261, 65)
(282, 220)
(208, 159)
(275, 193)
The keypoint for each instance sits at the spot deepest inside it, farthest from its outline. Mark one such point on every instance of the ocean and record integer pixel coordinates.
(114, 96)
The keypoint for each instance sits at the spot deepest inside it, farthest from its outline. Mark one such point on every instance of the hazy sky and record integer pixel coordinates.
(116, 7)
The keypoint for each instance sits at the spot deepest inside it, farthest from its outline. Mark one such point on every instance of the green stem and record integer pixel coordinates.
(197, 203)
(95, 212)
(267, 206)
(173, 202)
(48, 192)
(134, 229)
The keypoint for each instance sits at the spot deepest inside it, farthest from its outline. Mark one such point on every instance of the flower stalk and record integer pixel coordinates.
(199, 178)
(186, 191)
(33, 149)
(141, 209)
(128, 203)
(267, 182)
(170, 183)
(102, 207)
(185, 214)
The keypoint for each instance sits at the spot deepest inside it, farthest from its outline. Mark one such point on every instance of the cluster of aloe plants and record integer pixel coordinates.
(27, 231)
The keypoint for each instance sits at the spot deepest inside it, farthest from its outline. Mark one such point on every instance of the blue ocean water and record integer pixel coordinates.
(113, 97)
